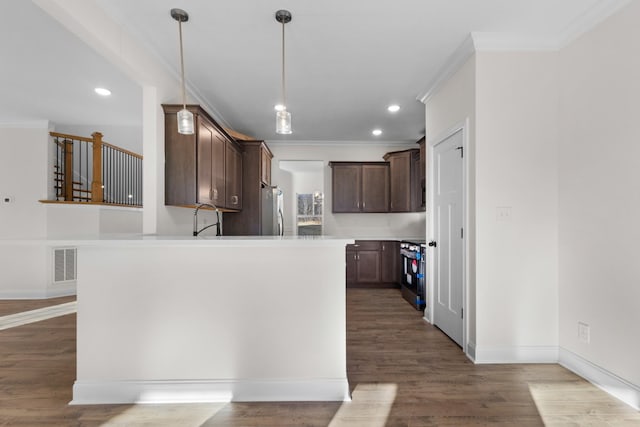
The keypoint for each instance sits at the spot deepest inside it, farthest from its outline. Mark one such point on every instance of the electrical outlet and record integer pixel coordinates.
(584, 333)
(503, 213)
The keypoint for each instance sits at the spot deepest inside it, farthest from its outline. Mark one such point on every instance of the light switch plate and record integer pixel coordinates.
(584, 333)
(503, 213)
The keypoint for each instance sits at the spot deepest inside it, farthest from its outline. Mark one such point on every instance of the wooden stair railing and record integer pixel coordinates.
(84, 166)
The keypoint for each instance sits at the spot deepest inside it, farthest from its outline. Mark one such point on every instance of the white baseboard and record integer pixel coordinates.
(516, 354)
(62, 290)
(120, 392)
(37, 315)
(471, 351)
(58, 291)
(600, 377)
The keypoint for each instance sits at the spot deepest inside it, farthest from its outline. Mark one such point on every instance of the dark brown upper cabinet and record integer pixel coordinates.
(404, 172)
(423, 173)
(205, 167)
(359, 187)
(265, 164)
(233, 176)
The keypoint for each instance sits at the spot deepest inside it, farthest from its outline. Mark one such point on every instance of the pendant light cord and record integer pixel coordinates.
(184, 96)
(284, 93)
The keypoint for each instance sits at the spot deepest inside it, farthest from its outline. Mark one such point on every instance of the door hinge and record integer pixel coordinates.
(462, 313)
(461, 151)
(462, 233)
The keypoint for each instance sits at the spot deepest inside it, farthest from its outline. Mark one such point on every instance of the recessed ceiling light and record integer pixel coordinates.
(393, 108)
(102, 91)
(279, 107)
(377, 132)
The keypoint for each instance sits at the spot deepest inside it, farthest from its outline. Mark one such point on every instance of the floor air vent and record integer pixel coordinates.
(64, 265)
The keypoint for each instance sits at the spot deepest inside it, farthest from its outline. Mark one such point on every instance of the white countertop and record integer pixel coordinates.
(209, 241)
(391, 238)
(179, 240)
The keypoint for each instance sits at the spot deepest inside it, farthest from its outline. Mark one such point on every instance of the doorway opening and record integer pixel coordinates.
(302, 182)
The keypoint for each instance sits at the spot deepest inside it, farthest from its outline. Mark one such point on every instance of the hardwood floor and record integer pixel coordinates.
(12, 306)
(402, 372)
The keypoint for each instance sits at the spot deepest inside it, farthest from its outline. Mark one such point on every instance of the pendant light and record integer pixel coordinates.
(283, 117)
(185, 117)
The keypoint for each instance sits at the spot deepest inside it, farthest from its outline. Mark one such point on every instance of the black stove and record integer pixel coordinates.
(413, 272)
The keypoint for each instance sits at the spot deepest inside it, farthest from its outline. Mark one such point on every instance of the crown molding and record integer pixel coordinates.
(513, 42)
(309, 143)
(589, 20)
(27, 124)
(451, 66)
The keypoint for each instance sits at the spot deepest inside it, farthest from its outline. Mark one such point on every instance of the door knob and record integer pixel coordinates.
(433, 243)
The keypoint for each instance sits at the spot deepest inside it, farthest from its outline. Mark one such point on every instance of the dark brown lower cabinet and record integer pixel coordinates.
(372, 264)
(368, 267)
(390, 256)
(352, 264)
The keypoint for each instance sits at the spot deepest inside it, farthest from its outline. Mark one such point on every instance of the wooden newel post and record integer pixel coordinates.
(96, 184)
(68, 170)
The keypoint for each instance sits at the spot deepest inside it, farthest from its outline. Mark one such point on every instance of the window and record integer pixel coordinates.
(309, 217)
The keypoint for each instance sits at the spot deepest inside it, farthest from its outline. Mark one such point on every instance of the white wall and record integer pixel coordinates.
(66, 221)
(511, 103)
(516, 167)
(378, 225)
(24, 177)
(452, 104)
(25, 265)
(556, 141)
(600, 195)
(25, 270)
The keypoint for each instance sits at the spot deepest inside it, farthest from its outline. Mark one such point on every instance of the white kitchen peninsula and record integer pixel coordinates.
(183, 319)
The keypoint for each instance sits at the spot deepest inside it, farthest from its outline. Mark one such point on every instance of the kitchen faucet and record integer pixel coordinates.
(195, 220)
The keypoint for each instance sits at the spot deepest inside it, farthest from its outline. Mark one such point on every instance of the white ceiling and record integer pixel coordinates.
(46, 73)
(346, 60)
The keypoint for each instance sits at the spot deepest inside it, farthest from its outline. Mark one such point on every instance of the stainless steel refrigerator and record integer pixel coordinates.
(272, 212)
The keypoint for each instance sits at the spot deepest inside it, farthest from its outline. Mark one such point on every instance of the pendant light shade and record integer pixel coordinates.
(283, 117)
(185, 117)
(283, 122)
(185, 122)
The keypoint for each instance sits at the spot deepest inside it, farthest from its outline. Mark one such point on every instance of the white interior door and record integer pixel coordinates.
(449, 250)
